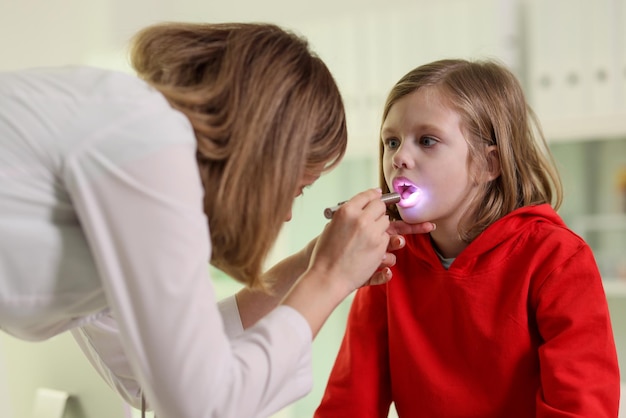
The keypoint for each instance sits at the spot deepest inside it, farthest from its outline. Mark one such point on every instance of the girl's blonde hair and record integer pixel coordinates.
(494, 111)
(265, 111)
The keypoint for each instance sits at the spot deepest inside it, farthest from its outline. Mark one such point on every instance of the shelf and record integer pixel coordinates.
(584, 127)
(600, 222)
(615, 287)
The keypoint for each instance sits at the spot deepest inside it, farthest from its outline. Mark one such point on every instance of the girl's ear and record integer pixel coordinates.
(493, 163)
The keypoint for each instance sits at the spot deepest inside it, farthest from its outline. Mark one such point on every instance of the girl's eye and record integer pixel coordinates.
(427, 141)
(392, 143)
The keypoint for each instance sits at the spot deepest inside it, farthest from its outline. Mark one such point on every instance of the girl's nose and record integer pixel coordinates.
(401, 159)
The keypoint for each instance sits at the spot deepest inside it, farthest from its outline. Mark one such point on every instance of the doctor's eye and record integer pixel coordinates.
(302, 189)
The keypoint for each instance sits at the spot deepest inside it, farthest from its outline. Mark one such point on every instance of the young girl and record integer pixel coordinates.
(498, 312)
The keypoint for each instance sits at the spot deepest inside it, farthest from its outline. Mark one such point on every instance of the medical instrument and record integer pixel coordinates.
(388, 199)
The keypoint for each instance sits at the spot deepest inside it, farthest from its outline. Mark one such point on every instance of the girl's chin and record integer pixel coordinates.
(412, 215)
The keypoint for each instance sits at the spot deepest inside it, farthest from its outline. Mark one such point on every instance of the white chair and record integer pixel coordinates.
(49, 403)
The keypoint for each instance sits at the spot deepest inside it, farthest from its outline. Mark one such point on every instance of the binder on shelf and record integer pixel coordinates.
(602, 48)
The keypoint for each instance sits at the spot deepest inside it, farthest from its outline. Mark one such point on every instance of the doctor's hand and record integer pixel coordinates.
(396, 241)
(353, 243)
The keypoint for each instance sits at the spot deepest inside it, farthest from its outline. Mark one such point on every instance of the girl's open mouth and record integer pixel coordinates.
(407, 190)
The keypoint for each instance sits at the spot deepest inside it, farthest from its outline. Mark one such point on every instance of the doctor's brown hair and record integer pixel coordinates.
(494, 112)
(265, 111)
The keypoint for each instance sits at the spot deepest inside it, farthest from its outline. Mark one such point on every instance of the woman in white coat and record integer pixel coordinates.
(116, 191)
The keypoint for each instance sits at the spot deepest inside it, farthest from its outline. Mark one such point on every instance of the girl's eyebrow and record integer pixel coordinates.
(419, 127)
(386, 130)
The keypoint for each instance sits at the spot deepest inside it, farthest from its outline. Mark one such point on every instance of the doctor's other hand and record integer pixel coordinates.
(396, 241)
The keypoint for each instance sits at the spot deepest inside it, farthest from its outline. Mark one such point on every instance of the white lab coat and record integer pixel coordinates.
(103, 233)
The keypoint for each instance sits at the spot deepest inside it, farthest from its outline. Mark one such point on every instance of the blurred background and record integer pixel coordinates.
(570, 56)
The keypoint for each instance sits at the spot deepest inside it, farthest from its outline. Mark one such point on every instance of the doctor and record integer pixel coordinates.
(117, 190)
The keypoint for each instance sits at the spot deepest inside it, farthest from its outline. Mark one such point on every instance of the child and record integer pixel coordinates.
(498, 312)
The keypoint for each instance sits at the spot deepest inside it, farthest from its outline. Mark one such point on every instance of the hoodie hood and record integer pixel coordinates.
(498, 240)
(514, 223)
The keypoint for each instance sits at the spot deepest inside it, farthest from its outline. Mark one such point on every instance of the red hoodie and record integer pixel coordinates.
(518, 326)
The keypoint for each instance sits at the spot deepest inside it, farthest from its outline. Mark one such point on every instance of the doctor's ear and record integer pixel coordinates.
(493, 163)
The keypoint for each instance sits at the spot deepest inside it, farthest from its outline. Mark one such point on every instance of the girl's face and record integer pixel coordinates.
(425, 159)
